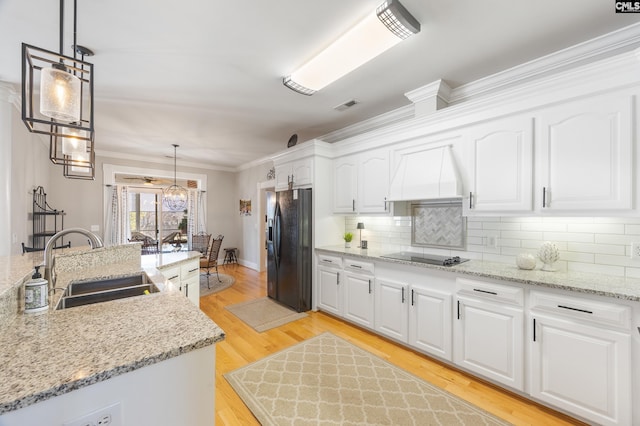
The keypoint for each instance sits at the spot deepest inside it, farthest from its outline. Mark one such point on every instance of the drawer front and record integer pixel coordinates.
(330, 261)
(172, 274)
(490, 291)
(582, 309)
(358, 266)
(189, 270)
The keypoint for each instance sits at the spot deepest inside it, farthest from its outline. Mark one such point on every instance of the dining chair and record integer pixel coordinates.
(211, 259)
(200, 242)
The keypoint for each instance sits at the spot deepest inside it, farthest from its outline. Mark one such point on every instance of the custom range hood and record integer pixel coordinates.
(424, 173)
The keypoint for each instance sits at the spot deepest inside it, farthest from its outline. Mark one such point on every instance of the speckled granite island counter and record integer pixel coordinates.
(603, 285)
(115, 351)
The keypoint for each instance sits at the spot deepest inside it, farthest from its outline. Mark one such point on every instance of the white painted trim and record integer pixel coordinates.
(109, 173)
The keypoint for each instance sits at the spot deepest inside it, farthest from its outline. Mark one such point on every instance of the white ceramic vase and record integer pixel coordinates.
(548, 254)
(526, 261)
(347, 244)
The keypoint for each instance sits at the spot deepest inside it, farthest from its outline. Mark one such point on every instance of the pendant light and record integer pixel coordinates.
(57, 90)
(174, 196)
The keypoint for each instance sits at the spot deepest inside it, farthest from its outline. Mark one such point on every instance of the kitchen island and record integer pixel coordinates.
(154, 355)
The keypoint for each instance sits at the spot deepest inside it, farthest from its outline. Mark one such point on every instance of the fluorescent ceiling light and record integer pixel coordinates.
(382, 29)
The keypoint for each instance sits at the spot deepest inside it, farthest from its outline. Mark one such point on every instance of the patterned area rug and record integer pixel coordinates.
(214, 285)
(264, 314)
(327, 380)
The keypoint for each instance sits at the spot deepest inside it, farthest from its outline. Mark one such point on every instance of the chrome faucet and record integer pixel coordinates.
(94, 241)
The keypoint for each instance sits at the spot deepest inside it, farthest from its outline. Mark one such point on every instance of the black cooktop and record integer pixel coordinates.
(431, 259)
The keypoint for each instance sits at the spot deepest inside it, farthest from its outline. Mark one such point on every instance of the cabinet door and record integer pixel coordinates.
(345, 177)
(501, 166)
(191, 289)
(329, 297)
(358, 299)
(373, 182)
(302, 172)
(391, 312)
(430, 328)
(489, 340)
(582, 369)
(283, 176)
(586, 155)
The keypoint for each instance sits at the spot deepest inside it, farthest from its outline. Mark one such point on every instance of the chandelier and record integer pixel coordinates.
(174, 197)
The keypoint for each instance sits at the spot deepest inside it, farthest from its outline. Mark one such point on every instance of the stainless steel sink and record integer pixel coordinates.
(97, 291)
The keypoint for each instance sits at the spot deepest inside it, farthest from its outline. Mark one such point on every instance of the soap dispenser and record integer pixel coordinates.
(36, 294)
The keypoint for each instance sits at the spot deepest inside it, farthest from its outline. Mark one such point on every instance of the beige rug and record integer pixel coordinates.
(214, 285)
(264, 314)
(327, 380)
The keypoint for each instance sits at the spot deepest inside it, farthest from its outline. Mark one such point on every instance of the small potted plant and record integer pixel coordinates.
(348, 236)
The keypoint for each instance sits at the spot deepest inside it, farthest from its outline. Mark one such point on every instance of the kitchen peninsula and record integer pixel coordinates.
(151, 357)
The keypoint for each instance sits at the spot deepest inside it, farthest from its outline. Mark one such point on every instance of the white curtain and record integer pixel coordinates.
(117, 226)
(195, 214)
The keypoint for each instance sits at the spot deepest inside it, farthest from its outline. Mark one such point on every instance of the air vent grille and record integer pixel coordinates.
(346, 105)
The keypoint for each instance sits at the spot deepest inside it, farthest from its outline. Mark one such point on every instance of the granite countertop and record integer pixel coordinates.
(603, 285)
(50, 354)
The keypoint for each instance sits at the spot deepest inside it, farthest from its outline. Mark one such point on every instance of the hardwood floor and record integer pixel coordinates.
(243, 345)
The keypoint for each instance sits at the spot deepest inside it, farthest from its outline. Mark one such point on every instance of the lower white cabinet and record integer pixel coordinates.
(489, 332)
(358, 299)
(329, 292)
(186, 276)
(578, 365)
(391, 311)
(430, 327)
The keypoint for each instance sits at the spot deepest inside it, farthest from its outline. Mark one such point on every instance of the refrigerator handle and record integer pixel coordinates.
(276, 235)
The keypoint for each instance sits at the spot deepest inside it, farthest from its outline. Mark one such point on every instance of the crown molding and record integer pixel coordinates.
(616, 42)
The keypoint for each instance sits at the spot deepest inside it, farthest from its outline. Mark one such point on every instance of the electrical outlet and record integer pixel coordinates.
(492, 241)
(635, 251)
(107, 416)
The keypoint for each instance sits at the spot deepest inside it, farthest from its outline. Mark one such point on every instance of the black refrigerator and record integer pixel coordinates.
(289, 248)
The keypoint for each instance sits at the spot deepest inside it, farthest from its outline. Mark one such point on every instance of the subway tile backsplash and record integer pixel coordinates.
(595, 245)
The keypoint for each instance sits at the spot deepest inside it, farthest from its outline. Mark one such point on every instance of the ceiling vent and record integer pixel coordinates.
(346, 105)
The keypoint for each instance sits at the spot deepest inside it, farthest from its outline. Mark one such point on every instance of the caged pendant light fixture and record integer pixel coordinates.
(175, 197)
(382, 29)
(57, 94)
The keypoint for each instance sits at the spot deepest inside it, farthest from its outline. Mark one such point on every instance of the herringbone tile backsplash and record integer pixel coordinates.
(588, 244)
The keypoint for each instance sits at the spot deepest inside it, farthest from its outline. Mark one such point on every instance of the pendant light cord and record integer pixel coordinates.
(61, 28)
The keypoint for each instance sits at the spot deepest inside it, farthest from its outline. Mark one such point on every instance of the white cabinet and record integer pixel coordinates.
(186, 277)
(391, 309)
(358, 292)
(488, 331)
(190, 280)
(345, 184)
(501, 166)
(329, 290)
(585, 154)
(298, 173)
(361, 182)
(578, 365)
(430, 324)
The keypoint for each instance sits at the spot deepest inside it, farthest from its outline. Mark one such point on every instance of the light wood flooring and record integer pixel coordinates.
(243, 345)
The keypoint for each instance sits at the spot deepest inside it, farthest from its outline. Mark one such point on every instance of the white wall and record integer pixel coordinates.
(587, 244)
(247, 181)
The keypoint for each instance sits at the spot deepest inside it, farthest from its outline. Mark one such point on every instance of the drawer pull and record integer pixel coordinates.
(327, 260)
(173, 278)
(575, 309)
(356, 266)
(485, 291)
(193, 270)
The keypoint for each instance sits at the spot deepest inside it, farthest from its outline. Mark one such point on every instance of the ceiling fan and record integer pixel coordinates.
(147, 180)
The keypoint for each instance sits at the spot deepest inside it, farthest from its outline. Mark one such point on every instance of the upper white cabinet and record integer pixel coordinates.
(361, 182)
(500, 166)
(585, 154)
(297, 173)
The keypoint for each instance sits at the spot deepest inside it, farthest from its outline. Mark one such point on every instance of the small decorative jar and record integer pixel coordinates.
(526, 261)
(548, 254)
